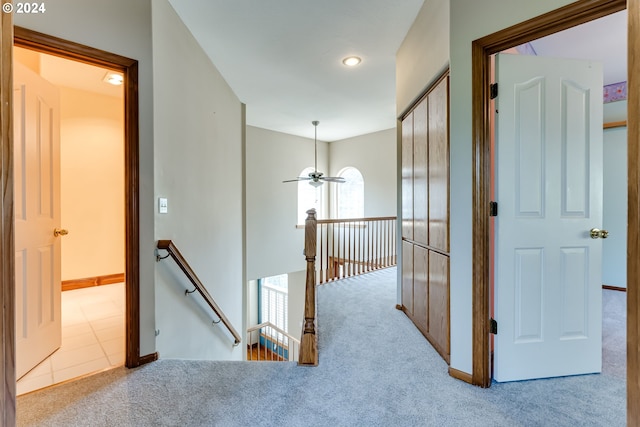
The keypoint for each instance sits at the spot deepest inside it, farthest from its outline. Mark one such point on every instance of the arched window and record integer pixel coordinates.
(350, 194)
(308, 197)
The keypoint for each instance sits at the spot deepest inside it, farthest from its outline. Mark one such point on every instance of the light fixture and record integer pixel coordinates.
(113, 79)
(316, 178)
(351, 61)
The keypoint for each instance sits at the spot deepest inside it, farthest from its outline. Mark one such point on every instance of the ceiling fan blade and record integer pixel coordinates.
(300, 178)
(337, 179)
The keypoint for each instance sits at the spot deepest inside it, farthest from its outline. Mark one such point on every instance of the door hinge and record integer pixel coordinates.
(493, 326)
(493, 208)
(493, 90)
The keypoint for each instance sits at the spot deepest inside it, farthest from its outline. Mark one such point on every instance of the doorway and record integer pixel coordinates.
(600, 42)
(129, 69)
(563, 18)
(91, 198)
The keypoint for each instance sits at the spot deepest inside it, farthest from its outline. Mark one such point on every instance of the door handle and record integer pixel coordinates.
(596, 233)
(60, 232)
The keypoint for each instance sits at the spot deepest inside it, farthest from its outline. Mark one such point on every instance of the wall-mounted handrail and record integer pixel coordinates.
(167, 245)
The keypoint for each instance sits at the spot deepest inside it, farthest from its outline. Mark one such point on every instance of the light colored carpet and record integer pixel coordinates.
(375, 369)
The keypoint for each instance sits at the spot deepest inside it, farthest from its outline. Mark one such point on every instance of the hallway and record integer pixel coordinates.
(375, 369)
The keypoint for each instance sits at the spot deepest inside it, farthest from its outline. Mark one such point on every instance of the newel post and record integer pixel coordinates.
(309, 340)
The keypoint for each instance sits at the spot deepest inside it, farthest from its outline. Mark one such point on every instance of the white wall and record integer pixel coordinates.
(424, 53)
(274, 244)
(297, 283)
(92, 183)
(614, 248)
(374, 155)
(198, 127)
(470, 20)
(122, 27)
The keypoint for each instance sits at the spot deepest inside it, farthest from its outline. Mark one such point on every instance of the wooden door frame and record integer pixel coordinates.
(7, 255)
(566, 17)
(129, 67)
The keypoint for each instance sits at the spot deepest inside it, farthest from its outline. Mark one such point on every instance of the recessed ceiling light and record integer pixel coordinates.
(351, 61)
(114, 79)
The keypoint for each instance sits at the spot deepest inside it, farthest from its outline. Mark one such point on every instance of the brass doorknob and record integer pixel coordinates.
(60, 232)
(596, 233)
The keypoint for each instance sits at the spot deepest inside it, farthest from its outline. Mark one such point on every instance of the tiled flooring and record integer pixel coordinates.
(92, 337)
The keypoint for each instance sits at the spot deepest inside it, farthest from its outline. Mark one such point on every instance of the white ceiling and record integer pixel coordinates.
(63, 72)
(282, 58)
(603, 40)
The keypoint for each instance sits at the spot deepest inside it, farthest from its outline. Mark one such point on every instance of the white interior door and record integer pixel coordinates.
(548, 288)
(37, 215)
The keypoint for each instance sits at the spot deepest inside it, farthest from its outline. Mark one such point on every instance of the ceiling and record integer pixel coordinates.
(74, 74)
(603, 40)
(283, 59)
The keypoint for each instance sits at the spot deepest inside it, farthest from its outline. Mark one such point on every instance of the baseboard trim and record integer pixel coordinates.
(143, 360)
(88, 282)
(399, 307)
(614, 288)
(459, 375)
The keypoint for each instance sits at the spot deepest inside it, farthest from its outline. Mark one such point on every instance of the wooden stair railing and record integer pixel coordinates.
(309, 340)
(167, 245)
(349, 247)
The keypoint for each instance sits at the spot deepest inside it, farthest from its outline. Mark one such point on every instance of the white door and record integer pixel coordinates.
(37, 215)
(548, 287)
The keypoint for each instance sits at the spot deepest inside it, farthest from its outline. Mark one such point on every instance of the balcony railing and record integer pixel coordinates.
(341, 248)
(348, 247)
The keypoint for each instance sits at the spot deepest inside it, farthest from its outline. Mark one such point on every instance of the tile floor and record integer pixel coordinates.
(92, 337)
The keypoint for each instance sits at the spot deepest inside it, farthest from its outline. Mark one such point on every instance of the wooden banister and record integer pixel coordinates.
(309, 340)
(349, 247)
(167, 245)
(372, 219)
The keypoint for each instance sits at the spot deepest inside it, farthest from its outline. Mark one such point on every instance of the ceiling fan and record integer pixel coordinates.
(316, 178)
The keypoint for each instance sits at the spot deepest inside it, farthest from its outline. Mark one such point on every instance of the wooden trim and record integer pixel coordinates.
(633, 221)
(614, 288)
(308, 352)
(610, 125)
(148, 358)
(459, 375)
(89, 282)
(399, 307)
(481, 373)
(566, 17)
(129, 67)
(167, 245)
(7, 258)
(335, 221)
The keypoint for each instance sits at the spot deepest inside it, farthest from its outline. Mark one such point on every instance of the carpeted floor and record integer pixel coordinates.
(375, 369)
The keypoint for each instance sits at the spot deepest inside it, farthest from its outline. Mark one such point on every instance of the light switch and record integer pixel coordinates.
(162, 205)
